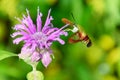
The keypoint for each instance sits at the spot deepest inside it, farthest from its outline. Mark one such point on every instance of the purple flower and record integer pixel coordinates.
(37, 39)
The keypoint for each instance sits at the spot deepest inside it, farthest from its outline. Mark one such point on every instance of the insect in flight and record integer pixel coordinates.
(79, 35)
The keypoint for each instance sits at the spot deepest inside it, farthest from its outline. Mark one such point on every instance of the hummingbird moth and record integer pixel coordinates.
(79, 35)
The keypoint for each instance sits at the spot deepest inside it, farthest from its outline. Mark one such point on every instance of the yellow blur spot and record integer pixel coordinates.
(52, 71)
(97, 5)
(94, 55)
(2, 31)
(106, 42)
(109, 77)
(8, 6)
(51, 2)
(114, 56)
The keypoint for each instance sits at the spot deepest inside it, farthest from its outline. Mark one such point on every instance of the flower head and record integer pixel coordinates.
(37, 39)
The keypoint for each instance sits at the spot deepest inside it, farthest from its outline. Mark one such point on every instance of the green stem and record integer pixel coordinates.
(34, 74)
(34, 71)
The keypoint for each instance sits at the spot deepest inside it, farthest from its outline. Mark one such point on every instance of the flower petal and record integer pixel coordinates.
(22, 27)
(17, 40)
(29, 23)
(39, 21)
(25, 54)
(48, 20)
(46, 59)
(36, 57)
(60, 40)
(15, 34)
(54, 34)
(51, 31)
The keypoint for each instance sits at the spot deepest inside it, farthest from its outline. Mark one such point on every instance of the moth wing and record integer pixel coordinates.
(76, 37)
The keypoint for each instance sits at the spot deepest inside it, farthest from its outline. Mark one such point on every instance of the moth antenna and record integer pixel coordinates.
(73, 16)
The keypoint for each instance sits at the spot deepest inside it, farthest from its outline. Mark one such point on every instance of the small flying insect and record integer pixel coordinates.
(79, 35)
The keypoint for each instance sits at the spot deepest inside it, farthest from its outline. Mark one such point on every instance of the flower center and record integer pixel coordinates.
(39, 37)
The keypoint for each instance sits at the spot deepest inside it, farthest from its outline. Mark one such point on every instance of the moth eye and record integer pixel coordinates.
(89, 44)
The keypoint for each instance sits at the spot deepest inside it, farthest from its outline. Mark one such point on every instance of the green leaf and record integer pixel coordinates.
(6, 54)
(35, 75)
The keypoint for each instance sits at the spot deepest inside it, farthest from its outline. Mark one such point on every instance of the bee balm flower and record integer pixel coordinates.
(37, 39)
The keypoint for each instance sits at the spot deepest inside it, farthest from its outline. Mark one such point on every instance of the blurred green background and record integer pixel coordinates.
(100, 20)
